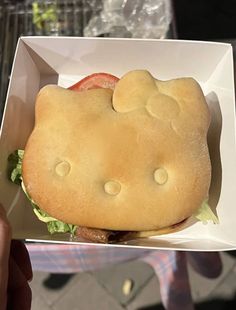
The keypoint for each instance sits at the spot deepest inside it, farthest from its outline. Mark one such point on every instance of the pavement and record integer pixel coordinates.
(131, 286)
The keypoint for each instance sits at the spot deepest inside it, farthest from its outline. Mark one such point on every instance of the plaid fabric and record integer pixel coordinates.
(78, 258)
(171, 270)
(169, 266)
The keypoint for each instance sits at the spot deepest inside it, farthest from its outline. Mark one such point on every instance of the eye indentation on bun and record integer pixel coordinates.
(163, 107)
(62, 168)
(160, 176)
(112, 187)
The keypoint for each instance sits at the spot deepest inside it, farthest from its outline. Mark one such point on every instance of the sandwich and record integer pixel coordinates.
(113, 159)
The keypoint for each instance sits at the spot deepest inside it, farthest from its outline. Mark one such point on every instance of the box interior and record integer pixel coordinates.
(43, 60)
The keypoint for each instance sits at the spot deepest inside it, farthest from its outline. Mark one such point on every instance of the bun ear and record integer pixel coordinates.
(194, 117)
(141, 85)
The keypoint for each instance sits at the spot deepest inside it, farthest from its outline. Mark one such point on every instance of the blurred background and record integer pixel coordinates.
(211, 20)
(100, 18)
(182, 19)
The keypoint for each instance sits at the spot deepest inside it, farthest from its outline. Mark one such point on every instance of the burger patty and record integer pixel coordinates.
(111, 236)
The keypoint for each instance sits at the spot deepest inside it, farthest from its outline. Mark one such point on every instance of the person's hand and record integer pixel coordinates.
(5, 242)
(15, 270)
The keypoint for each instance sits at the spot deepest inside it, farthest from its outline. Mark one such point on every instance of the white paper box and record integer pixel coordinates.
(61, 60)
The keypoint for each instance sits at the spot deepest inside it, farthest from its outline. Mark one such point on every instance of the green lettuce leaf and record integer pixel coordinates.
(15, 166)
(42, 216)
(60, 227)
(205, 214)
(53, 225)
(15, 174)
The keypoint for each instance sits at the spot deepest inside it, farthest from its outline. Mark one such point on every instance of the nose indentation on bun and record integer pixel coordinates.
(112, 187)
(160, 176)
(62, 168)
(163, 107)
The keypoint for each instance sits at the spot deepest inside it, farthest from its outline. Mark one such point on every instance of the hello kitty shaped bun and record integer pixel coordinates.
(136, 159)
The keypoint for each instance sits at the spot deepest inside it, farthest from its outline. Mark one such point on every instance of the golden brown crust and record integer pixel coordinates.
(142, 165)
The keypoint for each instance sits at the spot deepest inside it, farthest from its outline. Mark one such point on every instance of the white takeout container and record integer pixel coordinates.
(64, 60)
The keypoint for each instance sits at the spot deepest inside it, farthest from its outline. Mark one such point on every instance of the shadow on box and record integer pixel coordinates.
(214, 135)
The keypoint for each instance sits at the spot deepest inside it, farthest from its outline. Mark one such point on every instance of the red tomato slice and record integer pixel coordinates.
(96, 80)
